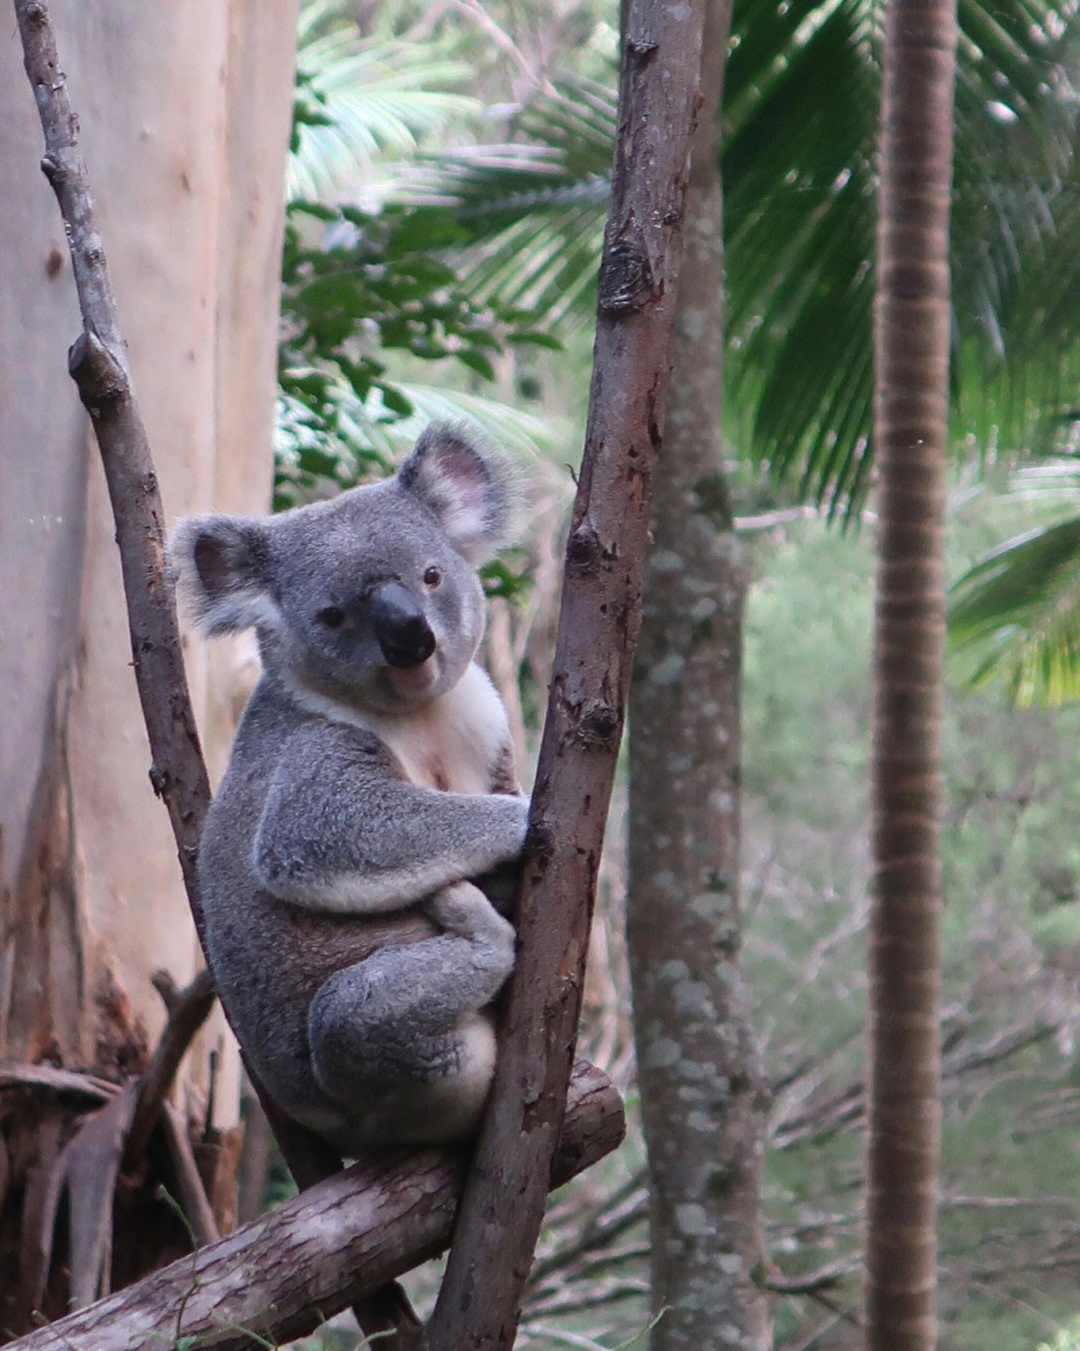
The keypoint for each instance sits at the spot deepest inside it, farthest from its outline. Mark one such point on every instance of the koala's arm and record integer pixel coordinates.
(339, 832)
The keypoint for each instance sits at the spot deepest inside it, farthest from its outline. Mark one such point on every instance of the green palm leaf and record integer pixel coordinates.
(531, 209)
(1016, 615)
(362, 104)
(802, 98)
(800, 114)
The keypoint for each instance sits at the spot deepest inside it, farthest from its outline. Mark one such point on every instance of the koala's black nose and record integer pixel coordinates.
(404, 634)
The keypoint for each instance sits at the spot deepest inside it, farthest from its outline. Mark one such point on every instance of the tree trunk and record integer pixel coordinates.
(701, 1099)
(185, 115)
(910, 426)
(479, 1303)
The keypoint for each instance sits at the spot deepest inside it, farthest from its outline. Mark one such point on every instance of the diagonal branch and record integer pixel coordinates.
(337, 1243)
(480, 1301)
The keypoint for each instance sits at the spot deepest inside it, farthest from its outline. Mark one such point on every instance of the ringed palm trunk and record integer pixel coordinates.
(702, 1109)
(912, 321)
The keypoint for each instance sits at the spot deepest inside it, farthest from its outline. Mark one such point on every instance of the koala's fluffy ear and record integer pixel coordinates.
(469, 487)
(222, 565)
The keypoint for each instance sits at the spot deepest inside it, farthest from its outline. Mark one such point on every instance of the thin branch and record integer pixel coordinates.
(187, 1010)
(811, 1282)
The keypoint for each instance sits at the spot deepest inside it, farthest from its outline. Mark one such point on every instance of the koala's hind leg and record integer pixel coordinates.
(400, 1033)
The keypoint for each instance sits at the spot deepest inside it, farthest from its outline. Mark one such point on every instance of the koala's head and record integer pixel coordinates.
(371, 598)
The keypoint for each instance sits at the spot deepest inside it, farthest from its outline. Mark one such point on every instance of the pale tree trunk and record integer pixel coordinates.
(701, 1099)
(910, 427)
(185, 112)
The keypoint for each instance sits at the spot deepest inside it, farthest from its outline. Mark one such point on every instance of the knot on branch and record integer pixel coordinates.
(598, 726)
(584, 551)
(627, 281)
(99, 376)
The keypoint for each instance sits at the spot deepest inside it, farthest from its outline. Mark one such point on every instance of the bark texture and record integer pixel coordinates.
(197, 96)
(701, 1096)
(480, 1300)
(910, 415)
(337, 1243)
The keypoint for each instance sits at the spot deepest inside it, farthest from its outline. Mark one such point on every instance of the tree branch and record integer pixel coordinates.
(339, 1242)
(98, 365)
(187, 1010)
(479, 1304)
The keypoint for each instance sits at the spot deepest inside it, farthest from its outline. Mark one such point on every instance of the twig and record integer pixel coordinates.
(187, 1010)
(191, 1193)
(811, 1282)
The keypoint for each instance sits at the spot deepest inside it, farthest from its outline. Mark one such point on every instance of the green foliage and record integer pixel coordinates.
(802, 93)
(531, 209)
(367, 285)
(800, 121)
(1015, 613)
(1066, 1339)
(1012, 939)
(368, 292)
(358, 104)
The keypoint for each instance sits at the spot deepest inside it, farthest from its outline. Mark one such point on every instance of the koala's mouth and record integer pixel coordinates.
(414, 680)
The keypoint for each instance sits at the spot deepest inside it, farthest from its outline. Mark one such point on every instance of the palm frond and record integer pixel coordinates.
(531, 209)
(801, 103)
(363, 102)
(523, 434)
(800, 127)
(1015, 615)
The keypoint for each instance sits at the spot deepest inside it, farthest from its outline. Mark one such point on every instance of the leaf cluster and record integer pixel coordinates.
(799, 167)
(361, 286)
(368, 286)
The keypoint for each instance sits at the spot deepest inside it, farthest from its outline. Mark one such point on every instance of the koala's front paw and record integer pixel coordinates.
(513, 822)
(463, 911)
(501, 885)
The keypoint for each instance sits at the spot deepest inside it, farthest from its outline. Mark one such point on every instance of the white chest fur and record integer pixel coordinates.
(452, 743)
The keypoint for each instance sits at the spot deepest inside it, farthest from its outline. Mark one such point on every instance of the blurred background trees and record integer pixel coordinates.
(445, 198)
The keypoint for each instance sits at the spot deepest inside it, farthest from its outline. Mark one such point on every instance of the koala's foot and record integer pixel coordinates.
(406, 1021)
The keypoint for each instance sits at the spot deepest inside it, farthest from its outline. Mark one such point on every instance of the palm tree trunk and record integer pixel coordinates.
(912, 322)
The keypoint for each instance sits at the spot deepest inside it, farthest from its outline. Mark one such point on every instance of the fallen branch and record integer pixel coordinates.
(337, 1243)
(187, 1010)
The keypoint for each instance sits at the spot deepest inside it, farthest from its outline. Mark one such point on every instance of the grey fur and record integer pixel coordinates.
(366, 794)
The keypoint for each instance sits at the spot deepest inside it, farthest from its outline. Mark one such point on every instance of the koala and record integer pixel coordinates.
(370, 795)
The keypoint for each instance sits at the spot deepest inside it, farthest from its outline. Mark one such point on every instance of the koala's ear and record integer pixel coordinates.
(470, 488)
(222, 566)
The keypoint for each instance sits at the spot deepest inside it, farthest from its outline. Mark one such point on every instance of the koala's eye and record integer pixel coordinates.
(332, 616)
(433, 576)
